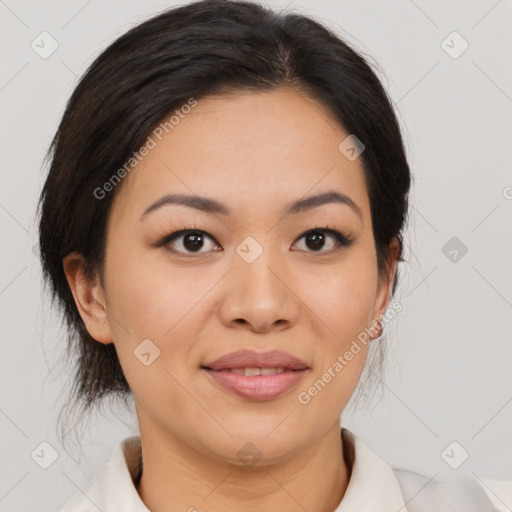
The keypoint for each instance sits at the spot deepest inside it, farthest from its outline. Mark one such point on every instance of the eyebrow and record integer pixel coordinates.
(213, 206)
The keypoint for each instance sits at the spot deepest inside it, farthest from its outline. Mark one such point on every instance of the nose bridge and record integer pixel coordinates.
(257, 265)
(258, 293)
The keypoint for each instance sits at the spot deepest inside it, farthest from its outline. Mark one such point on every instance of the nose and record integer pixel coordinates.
(259, 296)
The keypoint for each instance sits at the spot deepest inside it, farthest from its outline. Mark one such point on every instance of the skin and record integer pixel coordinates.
(255, 153)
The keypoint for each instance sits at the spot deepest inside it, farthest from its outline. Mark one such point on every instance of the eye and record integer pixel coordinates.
(188, 241)
(319, 238)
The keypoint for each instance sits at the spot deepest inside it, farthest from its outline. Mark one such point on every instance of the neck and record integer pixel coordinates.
(177, 477)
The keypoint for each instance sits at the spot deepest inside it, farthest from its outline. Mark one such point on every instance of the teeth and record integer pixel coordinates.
(271, 371)
(249, 372)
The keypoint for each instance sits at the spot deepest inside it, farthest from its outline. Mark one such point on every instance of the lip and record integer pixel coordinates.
(257, 387)
(255, 359)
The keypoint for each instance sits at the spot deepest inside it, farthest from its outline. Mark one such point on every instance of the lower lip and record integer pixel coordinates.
(257, 387)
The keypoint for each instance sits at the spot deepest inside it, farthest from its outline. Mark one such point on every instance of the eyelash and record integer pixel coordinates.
(342, 240)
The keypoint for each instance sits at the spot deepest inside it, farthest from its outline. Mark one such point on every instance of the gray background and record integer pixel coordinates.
(450, 349)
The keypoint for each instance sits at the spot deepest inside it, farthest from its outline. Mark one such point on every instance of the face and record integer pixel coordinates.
(254, 273)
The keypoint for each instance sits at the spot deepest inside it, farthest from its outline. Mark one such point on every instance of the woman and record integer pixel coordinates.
(222, 223)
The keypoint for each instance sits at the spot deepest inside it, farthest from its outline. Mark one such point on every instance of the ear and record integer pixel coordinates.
(385, 285)
(89, 297)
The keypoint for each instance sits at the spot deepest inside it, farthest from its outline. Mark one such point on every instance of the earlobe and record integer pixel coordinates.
(89, 297)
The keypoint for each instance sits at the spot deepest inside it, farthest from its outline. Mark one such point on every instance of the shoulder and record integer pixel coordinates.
(462, 493)
(376, 486)
(113, 488)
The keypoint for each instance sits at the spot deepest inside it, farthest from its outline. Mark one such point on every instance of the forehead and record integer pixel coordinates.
(247, 149)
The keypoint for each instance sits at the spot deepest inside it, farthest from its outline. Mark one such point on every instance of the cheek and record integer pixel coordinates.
(149, 297)
(343, 303)
(152, 312)
(161, 303)
(343, 296)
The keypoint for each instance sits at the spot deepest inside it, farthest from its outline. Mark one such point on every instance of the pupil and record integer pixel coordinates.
(193, 241)
(316, 239)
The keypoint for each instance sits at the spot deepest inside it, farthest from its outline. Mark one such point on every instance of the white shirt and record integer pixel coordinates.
(373, 485)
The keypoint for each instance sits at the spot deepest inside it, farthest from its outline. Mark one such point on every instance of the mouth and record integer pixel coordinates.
(251, 372)
(256, 375)
(252, 359)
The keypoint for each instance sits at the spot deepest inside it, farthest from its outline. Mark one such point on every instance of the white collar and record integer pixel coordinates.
(372, 486)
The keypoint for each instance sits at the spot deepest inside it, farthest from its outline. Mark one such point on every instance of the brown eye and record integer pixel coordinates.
(193, 241)
(188, 241)
(317, 239)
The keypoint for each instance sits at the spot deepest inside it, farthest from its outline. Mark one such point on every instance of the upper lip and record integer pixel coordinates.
(254, 359)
